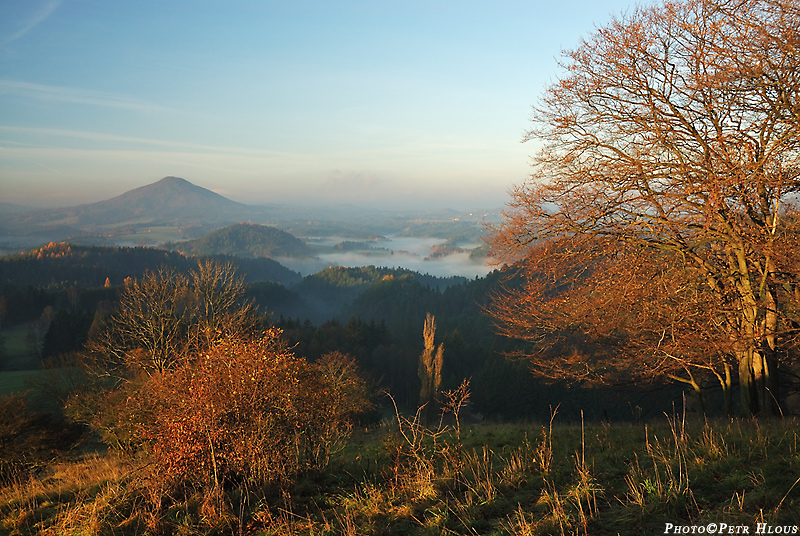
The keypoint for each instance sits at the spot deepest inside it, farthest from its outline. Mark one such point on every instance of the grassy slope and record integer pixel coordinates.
(16, 382)
(15, 353)
(626, 479)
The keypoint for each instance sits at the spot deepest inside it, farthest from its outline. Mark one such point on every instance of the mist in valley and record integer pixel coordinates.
(412, 253)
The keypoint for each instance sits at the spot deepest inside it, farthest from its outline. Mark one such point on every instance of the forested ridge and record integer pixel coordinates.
(61, 265)
(372, 313)
(244, 240)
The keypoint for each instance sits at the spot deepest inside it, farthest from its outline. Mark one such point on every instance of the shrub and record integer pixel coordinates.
(244, 410)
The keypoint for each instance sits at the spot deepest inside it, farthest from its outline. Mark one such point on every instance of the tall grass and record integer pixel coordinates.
(493, 479)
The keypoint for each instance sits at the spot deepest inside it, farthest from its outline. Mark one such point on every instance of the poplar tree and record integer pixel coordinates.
(430, 367)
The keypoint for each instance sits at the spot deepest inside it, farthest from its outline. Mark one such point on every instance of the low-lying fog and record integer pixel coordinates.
(395, 252)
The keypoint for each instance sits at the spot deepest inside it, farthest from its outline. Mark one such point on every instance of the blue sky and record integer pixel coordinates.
(387, 103)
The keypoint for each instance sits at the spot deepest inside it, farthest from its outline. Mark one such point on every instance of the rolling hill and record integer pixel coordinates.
(245, 240)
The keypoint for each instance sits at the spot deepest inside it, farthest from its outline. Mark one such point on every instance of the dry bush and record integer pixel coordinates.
(246, 410)
(347, 395)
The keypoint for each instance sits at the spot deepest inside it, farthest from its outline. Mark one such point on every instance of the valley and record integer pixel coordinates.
(174, 214)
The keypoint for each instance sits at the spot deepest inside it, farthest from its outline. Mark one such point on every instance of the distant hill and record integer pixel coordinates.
(172, 203)
(169, 200)
(12, 208)
(173, 209)
(245, 240)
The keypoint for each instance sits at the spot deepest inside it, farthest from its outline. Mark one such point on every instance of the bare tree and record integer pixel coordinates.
(167, 315)
(149, 324)
(218, 306)
(677, 127)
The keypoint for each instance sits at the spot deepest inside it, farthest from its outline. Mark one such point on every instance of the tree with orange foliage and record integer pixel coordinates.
(601, 312)
(246, 410)
(676, 127)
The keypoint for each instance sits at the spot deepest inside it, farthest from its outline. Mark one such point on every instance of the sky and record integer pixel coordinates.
(396, 104)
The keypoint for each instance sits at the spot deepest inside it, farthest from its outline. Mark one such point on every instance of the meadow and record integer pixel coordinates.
(402, 477)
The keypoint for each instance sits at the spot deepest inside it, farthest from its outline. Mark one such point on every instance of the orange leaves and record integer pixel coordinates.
(248, 408)
(675, 128)
(598, 310)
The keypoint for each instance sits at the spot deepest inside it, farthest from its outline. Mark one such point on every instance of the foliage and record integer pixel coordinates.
(602, 312)
(429, 371)
(68, 332)
(248, 410)
(675, 127)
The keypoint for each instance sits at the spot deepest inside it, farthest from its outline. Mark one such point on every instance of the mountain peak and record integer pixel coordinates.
(174, 180)
(174, 193)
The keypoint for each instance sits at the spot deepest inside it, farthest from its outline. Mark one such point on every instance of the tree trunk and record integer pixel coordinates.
(726, 383)
(765, 376)
(747, 387)
(770, 403)
(727, 391)
(699, 392)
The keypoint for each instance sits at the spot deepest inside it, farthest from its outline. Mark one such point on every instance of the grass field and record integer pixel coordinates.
(15, 352)
(16, 381)
(613, 479)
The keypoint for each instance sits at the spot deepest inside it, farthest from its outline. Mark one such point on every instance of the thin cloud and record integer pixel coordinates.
(132, 140)
(38, 17)
(155, 160)
(76, 96)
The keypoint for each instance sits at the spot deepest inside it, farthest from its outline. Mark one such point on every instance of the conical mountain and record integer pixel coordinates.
(170, 201)
(170, 195)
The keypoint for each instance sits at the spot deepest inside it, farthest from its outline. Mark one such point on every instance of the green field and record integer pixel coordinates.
(150, 236)
(16, 381)
(15, 351)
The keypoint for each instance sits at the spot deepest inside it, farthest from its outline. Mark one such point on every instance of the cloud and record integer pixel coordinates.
(76, 96)
(128, 142)
(36, 18)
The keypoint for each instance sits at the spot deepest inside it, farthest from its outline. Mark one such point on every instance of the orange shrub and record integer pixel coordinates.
(245, 409)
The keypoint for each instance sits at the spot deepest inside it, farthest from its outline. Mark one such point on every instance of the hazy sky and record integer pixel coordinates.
(397, 103)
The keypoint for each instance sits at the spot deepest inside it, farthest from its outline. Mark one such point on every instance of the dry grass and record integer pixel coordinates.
(77, 497)
(572, 480)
